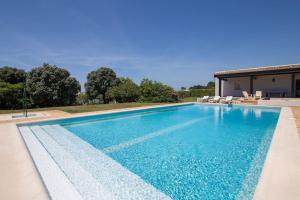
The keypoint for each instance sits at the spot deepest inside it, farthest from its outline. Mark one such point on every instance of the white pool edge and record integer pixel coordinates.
(280, 177)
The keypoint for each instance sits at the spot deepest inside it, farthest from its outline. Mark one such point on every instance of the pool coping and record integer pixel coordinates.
(280, 177)
(266, 188)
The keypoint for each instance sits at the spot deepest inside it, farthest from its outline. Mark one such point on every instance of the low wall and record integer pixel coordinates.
(281, 102)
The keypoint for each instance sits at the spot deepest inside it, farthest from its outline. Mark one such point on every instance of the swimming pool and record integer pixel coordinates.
(194, 151)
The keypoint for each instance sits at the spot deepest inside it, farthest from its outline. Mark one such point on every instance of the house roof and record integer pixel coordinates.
(280, 69)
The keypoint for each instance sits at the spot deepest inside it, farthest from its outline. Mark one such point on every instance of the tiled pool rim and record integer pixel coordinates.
(71, 191)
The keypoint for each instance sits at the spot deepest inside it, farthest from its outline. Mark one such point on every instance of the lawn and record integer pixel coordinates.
(85, 108)
(190, 99)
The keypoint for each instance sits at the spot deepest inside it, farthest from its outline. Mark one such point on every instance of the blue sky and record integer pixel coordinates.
(180, 43)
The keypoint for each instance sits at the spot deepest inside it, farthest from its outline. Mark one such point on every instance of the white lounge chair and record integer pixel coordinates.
(216, 99)
(258, 94)
(228, 100)
(246, 95)
(203, 99)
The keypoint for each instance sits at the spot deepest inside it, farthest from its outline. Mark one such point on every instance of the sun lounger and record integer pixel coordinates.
(216, 99)
(246, 96)
(228, 100)
(203, 99)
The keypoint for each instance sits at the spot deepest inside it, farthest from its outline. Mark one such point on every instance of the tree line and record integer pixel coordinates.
(49, 85)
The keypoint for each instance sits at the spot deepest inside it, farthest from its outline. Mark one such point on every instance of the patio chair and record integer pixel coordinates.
(246, 95)
(216, 99)
(203, 99)
(258, 94)
(228, 100)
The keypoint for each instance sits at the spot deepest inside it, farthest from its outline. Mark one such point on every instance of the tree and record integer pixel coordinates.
(98, 82)
(11, 75)
(210, 85)
(153, 91)
(11, 87)
(183, 88)
(49, 85)
(197, 87)
(82, 98)
(125, 91)
(10, 95)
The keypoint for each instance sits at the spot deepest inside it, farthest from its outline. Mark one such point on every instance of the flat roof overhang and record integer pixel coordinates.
(289, 69)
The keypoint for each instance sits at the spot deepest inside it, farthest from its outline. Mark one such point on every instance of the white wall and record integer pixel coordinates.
(216, 86)
(235, 86)
(282, 84)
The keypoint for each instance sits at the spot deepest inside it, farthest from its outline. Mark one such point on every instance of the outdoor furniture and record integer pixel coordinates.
(216, 99)
(258, 95)
(247, 96)
(280, 94)
(203, 99)
(228, 100)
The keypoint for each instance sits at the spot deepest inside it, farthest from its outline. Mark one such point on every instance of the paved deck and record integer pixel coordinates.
(18, 176)
(296, 112)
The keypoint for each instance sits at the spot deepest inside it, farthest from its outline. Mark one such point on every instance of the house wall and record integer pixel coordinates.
(235, 86)
(282, 83)
(216, 86)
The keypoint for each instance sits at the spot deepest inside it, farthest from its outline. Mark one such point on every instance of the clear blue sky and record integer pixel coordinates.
(180, 43)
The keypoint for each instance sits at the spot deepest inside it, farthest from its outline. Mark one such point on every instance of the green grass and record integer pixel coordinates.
(85, 108)
(189, 99)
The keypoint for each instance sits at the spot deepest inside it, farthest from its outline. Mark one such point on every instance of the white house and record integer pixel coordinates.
(274, 81)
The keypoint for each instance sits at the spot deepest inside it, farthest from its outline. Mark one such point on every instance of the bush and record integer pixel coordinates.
(196, 93)
(125, 91)
(49, 85)
(11, 95)
(82, 98)
(153, 91)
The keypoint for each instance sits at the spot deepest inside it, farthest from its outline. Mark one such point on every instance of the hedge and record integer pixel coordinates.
(196, 93)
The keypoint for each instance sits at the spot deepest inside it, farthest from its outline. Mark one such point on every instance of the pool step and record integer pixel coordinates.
(82, 180)
(117, 179)
(49, 171)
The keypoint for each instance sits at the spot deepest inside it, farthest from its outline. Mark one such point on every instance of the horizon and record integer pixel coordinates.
(179, 44)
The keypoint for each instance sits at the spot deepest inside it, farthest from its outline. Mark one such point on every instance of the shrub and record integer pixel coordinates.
(10, 95)
(196, 93)
(125, 91)
(153, 91)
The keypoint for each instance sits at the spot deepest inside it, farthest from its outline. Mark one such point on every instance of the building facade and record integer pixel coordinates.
(274, 81)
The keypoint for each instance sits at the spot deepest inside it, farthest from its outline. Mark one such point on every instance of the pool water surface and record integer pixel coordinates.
(187, 152)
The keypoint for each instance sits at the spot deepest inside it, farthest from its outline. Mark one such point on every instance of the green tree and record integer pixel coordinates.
(11, 87)
(197, 87)
(153, 91)
(125, 91)
(210, 85)
(49, 85)
(82, 98)
(11, 75)
(98, 82)
(10, 95)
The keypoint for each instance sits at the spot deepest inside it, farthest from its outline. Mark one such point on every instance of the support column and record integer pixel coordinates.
(251, 85)
(293, 92)
(220, 87)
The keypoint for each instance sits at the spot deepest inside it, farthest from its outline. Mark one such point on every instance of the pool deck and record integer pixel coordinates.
(280, 178)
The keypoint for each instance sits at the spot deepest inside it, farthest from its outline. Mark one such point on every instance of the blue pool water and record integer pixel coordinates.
(187, 152)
